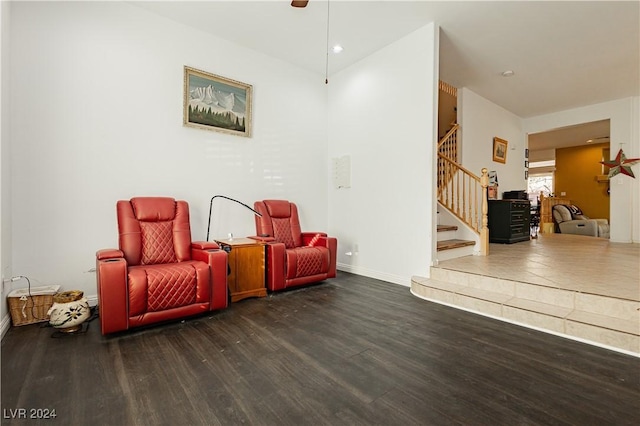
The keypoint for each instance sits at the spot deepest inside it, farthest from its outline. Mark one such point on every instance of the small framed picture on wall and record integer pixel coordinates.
(500, 150)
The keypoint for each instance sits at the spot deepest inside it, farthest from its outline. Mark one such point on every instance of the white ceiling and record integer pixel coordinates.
(566, 137)
(564, 54)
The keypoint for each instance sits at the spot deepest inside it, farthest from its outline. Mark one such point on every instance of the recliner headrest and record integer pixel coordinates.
(154, 209)
(278, 208)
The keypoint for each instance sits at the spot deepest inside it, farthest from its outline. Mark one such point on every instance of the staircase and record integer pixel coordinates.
(606, 321)
(462, 194)
(463, 231)
(449, 246)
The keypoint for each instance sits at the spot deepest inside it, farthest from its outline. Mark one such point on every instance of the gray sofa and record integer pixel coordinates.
(569, 219)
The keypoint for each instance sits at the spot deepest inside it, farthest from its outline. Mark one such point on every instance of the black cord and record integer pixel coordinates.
(33, 303)
(93, 316)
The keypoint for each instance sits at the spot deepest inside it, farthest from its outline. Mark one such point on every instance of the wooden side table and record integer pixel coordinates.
(247, 268)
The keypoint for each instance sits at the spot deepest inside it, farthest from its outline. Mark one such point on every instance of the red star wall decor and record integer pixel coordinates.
(621, 164)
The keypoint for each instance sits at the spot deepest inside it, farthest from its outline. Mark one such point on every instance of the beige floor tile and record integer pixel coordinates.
(572, 262)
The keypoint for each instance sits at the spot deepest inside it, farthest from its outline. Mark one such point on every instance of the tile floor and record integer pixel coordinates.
(592, 266)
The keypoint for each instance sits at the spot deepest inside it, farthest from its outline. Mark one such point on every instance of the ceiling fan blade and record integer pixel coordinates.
(299, 3)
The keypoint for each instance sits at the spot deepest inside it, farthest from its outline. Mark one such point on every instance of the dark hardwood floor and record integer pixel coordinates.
(349, 351)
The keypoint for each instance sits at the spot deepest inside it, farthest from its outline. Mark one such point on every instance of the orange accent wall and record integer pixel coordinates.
(576, 171)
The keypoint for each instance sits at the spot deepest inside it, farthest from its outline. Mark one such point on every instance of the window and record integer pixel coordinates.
(542, 182)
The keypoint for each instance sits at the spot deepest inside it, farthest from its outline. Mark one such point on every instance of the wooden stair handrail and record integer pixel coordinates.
(464, 195)
(446, 137)
(462, 168)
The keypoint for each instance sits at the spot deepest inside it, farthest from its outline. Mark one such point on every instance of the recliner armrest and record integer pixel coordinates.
(217, 261)
(263, 238)
(603, 228)
(314, 239)
(204, 245)
(106, 254)
(276, 255)
(579, 227)
(111, 274)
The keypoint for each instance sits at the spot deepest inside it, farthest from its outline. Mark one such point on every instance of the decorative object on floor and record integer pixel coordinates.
(158, 274)
(30, 305)
(69, 310)
(621, 164)
(294, 258)
(500, 150)
(230, 199)
(217, 103)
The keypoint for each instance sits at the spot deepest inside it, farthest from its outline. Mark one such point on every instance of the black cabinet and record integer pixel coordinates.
(509, 221)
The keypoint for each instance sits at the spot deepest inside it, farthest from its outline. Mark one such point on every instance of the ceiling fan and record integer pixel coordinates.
(302, 4)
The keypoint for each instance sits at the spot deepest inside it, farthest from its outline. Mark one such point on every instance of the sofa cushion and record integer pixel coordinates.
(157, 243)
(561, 213)
(155, 288)
(574, 209)
(576, 213)
(305, 261)
(282, 232)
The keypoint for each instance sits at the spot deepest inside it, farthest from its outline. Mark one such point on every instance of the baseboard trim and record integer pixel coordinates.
(92, 300)
(358, 270)
(5, 324)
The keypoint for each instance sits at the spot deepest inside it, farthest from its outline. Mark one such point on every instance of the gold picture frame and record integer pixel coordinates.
(500, 150)
(213, 102)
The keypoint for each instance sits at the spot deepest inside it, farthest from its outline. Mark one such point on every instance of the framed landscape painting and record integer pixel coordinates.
(500, 150)
(212, 102)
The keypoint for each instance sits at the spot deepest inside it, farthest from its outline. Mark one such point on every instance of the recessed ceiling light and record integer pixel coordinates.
(508, 73)
(337, 48)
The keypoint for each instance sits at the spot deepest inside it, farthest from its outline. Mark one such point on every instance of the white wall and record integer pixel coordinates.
(97, 116)
(480, 121)
(5, 164)
(381, 114)
(625, 124)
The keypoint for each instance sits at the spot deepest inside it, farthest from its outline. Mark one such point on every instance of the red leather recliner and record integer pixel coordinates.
(158, 274)
(294, 257)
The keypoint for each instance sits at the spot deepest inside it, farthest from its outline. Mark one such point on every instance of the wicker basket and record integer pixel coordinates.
(31, 306)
